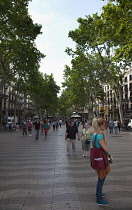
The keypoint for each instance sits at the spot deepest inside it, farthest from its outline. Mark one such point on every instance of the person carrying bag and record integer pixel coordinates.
(85, 139)
(99, 158)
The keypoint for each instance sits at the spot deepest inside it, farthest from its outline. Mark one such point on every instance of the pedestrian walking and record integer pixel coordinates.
(85, 139)
(116, 126)
(37, 128)
(60, 123)
(30, 128)
(53, 124)
(67, 123)
(111, 126)
(98, 126)
(119, 126)
(70, 136)
(24, 129)
(46, 128)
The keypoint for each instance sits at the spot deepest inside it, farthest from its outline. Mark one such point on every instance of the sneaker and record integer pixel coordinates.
(104, 195)
(68, 154)
(73, 154)
(103, 203)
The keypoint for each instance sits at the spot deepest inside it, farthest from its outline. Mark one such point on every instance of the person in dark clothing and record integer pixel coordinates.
(67, 123)
(70, 136)
(37, 127)
(119, 126)
(24, 129)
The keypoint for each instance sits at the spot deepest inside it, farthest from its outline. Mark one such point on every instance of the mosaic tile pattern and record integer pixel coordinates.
(37, 175)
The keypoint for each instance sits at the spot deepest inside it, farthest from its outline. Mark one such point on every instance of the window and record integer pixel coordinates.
(126, 88)
(130, 86)
(130, 77)
(125, 79)
(126, 97)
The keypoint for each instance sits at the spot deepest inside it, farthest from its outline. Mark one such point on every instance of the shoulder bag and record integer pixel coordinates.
(98, 157)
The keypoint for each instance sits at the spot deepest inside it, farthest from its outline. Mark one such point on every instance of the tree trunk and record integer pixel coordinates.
(120, 105)
(15, 104)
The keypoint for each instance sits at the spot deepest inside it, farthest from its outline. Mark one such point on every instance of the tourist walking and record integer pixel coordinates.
(70, 136)
(60, 123)
(116, 126)
(85, 139)
(111, 126)
(98, 126)
(119, 126)
(30, 128)
(53, 124)
(24, 129)
(37, 127)
(46, 128)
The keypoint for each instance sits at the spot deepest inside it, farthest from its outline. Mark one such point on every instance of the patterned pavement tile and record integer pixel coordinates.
(37, 175)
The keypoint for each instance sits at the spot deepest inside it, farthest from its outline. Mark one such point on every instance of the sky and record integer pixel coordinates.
(57, 18)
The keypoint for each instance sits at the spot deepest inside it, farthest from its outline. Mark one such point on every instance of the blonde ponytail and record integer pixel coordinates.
(96, 123)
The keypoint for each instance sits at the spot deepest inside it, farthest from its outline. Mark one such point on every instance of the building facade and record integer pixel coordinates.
(14, 104)
(110, 108)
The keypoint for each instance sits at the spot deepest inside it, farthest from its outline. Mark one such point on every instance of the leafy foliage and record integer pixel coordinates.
(18, 54)
(107, 38)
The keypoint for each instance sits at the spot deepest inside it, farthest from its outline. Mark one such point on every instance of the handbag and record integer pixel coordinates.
(87, 141)
(98, 157)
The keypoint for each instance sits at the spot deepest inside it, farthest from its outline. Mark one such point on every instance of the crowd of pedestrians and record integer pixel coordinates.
(90, 131)
(114, 126)
(27, 127)
(39, 126)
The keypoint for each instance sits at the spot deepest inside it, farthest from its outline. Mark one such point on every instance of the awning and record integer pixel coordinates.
(75, 116)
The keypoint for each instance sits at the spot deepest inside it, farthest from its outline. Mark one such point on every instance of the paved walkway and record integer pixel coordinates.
(37, 175)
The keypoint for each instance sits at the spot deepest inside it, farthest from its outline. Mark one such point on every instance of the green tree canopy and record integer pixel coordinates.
(18, 54)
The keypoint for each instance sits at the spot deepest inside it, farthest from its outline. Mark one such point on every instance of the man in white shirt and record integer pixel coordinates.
(116, 126)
